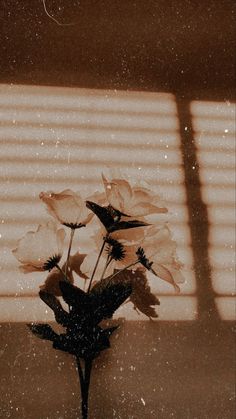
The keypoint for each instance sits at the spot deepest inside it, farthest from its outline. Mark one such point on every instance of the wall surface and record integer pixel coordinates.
(167, 116)
(153, 370)
(185, 46)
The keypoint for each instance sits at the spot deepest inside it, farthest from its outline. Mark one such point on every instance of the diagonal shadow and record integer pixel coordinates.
(198, 215)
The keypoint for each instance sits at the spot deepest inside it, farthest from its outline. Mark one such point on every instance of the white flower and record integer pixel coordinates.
(159, 248)
(67, 207)
(136, 201)
(40, 250)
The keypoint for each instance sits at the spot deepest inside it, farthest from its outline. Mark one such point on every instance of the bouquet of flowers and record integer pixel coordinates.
(129, 246)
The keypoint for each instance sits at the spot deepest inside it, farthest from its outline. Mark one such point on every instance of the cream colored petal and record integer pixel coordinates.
(142, 194)
(32, 248)
(157, 201)
(136, 235)
(35, 248)
(112, 194)
(124, 188)
(65, 206)
(159, 247)
(152, 231)
(145, 208)
(164, 253)
(119, 193)
(176, 274)
(98, 197)
(163, 273)
(85, 216)
(27, 268)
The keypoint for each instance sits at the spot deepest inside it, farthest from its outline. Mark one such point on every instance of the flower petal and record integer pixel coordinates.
(75, 263)
(118, 192)
(37, 247)
(163, 273)
(67, 207)
(27, 268)
(146, 208)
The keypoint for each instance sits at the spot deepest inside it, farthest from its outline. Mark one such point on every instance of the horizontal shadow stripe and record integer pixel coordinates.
(28, 108)
(58, 179)
(86, 143)
(75, 160)
(89, 162)
(109, 126)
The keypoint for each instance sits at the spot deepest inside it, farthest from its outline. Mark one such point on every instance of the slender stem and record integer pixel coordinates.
(85, 391)
(126, 267)
(82, 386)
(84, 379)
(72, 232)
(63, 273)
(96, 264)
(105, 267)
(79, 368)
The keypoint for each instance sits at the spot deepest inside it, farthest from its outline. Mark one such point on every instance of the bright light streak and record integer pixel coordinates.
(56, 138)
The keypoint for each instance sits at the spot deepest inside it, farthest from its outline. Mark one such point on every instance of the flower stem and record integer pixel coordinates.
(85, 395)
(79, 368)
(126, 267)
(72, 232)
(96, 264)
(84, 384)
(108, 261)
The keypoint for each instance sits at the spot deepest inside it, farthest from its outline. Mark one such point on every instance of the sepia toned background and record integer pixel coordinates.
(143, 90)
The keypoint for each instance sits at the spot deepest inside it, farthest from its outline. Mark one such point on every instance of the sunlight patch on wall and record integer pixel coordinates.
(214, 127)
(31, 309)
(56, 138)
(226, 307)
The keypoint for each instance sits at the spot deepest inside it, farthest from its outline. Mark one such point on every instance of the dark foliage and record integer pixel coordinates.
(141, 295)
(143, 259)
(111, 218)
(42, 331)
(83, 336)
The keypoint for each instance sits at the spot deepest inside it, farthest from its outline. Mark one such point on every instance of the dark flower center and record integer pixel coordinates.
(51, 262)
(74, 225)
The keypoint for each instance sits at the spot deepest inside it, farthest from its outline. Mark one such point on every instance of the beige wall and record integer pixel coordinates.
(180, 366)
(153, 370)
